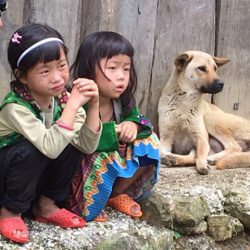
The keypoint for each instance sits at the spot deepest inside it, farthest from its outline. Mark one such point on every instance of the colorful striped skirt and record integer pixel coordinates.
(93, 181)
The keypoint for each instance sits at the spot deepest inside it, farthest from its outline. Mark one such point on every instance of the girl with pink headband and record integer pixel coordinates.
(44, 132)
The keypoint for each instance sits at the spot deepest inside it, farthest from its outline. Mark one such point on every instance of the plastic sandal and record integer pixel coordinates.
(124, 203)
(63, 218)
(102, 217)
(8, 226)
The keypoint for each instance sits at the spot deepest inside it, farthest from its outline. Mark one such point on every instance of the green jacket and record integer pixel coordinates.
(109, 141)
(12, 97)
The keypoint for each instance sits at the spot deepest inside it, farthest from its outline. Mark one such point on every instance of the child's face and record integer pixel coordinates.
(47, 79)
(117, 70)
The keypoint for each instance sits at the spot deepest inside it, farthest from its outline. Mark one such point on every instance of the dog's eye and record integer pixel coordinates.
(202, 68)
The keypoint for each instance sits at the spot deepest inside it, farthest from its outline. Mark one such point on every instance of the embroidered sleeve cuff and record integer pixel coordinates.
(146, 128)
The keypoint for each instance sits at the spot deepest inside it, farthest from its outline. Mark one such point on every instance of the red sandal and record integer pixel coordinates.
(123, 203)
(9, 226)
(63, 218)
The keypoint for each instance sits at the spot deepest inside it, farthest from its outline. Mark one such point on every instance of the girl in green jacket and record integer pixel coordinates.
(126, 164)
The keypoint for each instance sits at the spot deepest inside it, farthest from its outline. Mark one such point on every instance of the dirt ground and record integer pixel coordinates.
(175, 180)
(180, 180)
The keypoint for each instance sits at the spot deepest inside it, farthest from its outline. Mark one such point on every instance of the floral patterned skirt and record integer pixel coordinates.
(93, 181)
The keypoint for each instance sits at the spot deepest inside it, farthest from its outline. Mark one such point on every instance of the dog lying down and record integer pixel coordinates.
(194, 131)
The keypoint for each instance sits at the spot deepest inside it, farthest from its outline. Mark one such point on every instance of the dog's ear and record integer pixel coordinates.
(220, 60)
(182, 60)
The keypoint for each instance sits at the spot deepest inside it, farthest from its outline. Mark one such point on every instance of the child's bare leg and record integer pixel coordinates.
(5, 213)
(45, 207)
(102, 217)
(122, 184)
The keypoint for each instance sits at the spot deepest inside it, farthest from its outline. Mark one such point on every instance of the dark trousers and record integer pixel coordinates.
(25, 174)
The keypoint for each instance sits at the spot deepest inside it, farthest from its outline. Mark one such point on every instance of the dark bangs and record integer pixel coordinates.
(116, 47)
(111, 44)
(43, 54)
(105, 44)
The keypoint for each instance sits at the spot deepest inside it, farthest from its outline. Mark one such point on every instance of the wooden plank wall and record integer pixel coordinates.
(12, 19)
(234, 41)
(159, 31)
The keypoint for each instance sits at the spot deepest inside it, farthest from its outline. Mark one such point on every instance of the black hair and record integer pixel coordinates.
(29, 35)
(105, 44)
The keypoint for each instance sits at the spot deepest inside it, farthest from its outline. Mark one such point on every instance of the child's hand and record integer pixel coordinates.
(127, 131)
(88, 89)
(77, 99)
(83, 91)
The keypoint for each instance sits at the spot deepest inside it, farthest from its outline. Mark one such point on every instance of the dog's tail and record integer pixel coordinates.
(235, 160)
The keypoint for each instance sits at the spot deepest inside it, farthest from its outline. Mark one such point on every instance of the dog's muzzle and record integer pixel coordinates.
(213, 88)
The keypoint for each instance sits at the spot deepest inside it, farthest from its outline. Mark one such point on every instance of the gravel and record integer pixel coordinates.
(46, 236)
(172, 182)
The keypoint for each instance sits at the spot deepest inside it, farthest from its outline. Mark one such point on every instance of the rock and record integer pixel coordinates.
(158, 210)
(201, 242)
(237, 204)
(189, 211)
(198, 229)
(120, 241)
(222, 227)
(138, 240)
(182, 187)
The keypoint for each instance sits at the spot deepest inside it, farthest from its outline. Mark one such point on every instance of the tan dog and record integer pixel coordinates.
(194, 131)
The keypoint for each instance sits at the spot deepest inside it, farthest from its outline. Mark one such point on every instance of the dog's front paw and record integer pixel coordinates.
(168, 160)
(202, 167)
(202, 171)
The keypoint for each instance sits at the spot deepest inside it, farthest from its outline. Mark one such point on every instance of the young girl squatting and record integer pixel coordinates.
(44, 132)
(126, 164)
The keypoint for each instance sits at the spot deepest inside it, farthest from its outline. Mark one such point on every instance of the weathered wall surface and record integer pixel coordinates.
(159, 31)
(233, 41)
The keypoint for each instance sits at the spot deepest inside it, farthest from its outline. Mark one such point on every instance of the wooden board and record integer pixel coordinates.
(137, 22)
(233, 42)
(64, 16)
(12, 21)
